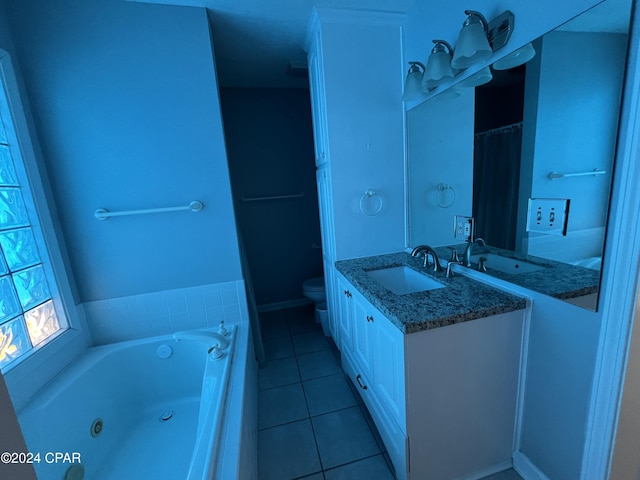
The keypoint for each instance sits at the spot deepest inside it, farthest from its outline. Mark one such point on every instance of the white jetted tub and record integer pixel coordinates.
(150, 408)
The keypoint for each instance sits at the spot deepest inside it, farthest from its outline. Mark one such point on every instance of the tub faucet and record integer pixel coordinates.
(202, 336)
(466, 259)
(426, 250)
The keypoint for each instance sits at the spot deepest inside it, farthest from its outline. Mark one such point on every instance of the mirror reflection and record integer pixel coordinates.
(530, 157)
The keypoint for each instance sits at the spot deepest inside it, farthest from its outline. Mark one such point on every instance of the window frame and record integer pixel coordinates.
(28, 375)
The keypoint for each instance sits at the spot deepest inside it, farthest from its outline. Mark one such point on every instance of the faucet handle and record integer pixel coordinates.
(482, 267)
(454, 255)
(222, 330)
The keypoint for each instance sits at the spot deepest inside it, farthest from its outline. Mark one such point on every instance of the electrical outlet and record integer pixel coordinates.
(463, 228)
(548, 215)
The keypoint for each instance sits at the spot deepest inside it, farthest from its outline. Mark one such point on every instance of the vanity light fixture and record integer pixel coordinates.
(515, 59)
(413, 83)
(478, 38)
(438, 69)
(473, 41)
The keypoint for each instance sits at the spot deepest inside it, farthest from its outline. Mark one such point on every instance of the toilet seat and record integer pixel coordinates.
(314, 285)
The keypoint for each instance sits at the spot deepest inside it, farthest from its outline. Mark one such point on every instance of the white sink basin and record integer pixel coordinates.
(506, 264)
(402, 280)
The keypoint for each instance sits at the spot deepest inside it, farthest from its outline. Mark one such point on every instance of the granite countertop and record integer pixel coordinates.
(558, 280)
(461, 300)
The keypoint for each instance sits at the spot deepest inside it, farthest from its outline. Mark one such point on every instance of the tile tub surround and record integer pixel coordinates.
(461, 300)
(158, 313)
(558, 280)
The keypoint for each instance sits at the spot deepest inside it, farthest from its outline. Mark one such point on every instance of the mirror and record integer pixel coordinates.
(499, 152)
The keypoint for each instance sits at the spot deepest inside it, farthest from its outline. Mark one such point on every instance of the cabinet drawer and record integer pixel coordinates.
(354, 371)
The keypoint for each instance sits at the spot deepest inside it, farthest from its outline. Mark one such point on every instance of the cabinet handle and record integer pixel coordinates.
(360, 384)
(369, 318)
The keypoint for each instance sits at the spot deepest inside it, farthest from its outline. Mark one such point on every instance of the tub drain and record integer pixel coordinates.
(166, 416)
(96, 427)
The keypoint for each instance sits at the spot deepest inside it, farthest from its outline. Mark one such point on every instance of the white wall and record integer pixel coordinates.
(127, 111)
(440, 148)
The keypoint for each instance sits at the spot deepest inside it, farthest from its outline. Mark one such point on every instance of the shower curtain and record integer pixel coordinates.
(496, 181)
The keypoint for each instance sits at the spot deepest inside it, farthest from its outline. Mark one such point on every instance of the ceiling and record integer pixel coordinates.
(256, 41)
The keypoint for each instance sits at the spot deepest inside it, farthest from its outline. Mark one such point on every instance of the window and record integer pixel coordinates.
(30, 315)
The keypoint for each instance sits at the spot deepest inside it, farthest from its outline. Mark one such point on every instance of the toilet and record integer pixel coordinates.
(314, 290)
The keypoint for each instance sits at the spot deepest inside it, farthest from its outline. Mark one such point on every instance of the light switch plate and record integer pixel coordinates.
(463, 228)
(548, 215)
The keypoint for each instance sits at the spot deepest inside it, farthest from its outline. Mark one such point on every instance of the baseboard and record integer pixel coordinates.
(489, 471)
(526, 469)
(298, 302)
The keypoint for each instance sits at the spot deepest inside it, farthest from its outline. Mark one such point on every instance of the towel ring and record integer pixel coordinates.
(443, 193)
(369, 194)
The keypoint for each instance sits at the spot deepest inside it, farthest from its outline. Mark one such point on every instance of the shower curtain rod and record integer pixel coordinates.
(272, 197)
(506, 128)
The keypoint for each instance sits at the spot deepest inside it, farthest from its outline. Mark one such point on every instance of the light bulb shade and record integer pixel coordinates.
(473, 45)
(413, 84)
(447, 94)
(479, 78)
(438, 69)
(515, 59)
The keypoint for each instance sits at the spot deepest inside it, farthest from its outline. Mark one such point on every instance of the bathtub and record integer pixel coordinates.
(150, 408)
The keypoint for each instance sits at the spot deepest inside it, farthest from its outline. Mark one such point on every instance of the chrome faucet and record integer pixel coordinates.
(202, 336)
(426, 250)
(454, 260)
(466, 259)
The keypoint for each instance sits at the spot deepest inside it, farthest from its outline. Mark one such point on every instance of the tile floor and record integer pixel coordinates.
(312, 423)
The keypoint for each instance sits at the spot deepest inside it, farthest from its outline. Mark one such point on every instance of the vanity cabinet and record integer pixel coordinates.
(443, 399)
(373, 357)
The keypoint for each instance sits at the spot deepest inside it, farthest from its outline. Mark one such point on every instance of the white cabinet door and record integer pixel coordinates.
(388, 366)
(345, 315)
(325, 204)
(363, 334)
(332, 300)
(318, 106)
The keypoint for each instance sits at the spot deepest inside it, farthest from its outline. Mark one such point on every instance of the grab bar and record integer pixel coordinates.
(274, 197)
(595, 171)
(103, 213)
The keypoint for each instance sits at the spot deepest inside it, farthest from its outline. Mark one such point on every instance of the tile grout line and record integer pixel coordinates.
(335, 353)
(309, 416)
(313, 430)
